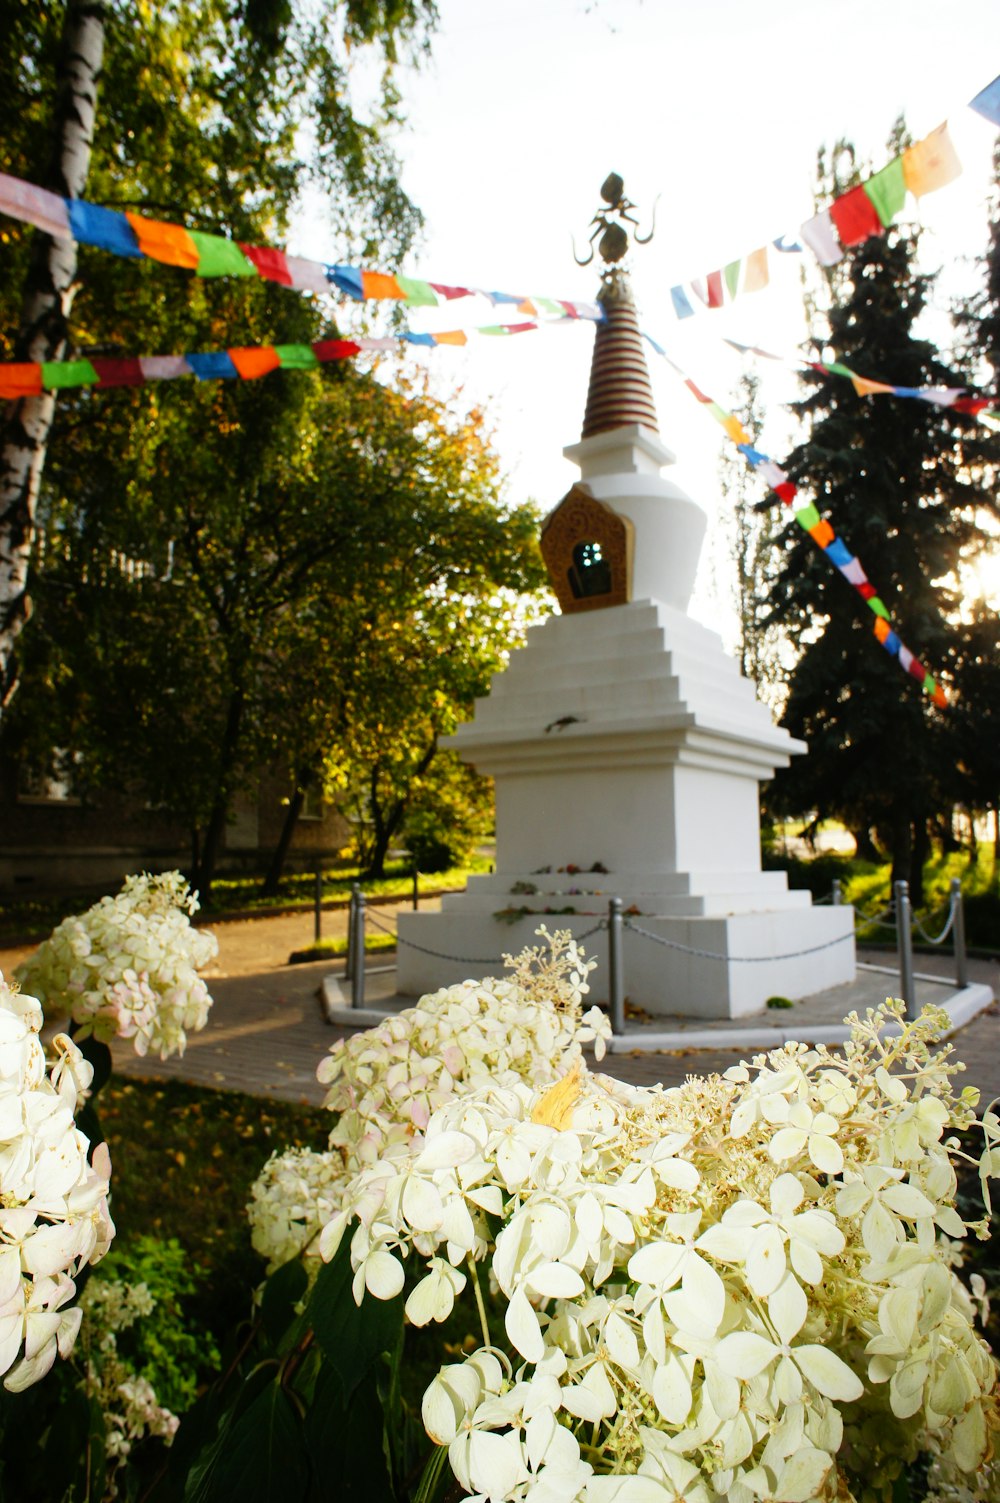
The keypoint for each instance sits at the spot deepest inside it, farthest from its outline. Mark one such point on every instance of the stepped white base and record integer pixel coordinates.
(664, 981)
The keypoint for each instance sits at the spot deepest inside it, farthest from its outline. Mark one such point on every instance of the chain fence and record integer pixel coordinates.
(673, 944)
(897, 915)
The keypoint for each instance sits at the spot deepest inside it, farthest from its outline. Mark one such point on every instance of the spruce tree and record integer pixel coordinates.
(896, 479)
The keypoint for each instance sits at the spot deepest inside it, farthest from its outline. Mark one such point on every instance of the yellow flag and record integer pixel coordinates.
(555, 1108)
(930, 163)
(756, 273)
(866, 388)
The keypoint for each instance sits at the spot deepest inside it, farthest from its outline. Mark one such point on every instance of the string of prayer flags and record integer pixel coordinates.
(134, 235)
(818, 529)
(30, 378)
(849, 566)
(866, 210)
(957, 398)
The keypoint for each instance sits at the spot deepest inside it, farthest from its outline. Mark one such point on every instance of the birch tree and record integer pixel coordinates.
(46, 302)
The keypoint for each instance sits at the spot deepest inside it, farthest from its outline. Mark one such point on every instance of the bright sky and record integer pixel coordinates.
(718, 110)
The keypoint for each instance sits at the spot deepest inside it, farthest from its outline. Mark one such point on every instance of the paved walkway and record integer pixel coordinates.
(267, 1033)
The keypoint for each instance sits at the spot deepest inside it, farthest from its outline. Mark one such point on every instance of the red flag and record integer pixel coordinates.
(855, 217)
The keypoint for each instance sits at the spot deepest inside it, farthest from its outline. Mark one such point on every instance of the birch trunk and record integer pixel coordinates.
(48, 296)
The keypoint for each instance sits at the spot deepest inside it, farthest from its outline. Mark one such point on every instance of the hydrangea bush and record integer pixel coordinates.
(53, 1203)
(740, 1288)
(385, 1083)
(128, 967)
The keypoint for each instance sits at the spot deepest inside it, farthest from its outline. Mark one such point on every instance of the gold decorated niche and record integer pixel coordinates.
(588, 550)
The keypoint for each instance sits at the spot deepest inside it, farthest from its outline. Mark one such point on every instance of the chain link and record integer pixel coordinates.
(944, 932)
(464, 959)
(672, 944)
(886, 916)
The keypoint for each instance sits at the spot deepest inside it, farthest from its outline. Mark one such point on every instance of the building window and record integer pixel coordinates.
(312, 804)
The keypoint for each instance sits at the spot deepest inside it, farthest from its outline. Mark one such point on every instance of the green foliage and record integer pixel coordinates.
(164, 1347)
(311, 1406)
(449, 814)
(900, 482)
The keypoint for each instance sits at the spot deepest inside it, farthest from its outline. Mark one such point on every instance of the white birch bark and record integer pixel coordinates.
(48, 296)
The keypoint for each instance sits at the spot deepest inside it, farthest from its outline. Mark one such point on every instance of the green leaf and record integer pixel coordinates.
(347, 1446)
(352, 1337)
(283, 1290)
(258, 1459)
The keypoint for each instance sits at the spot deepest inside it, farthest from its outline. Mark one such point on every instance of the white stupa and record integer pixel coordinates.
(627, 751)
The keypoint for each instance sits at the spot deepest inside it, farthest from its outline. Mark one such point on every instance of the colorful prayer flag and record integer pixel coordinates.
(418, 294)
(887, 191)
(118, 372)
(757, 274)
(219, 257)
(23, 379)
(931, 163)
(855, 217)
(296, 357)
(47, 211)
(272, 265)
(214, 366)
(252, 363)
(822, 239)
(987, 102)
(105, 228)
(682, 306)
(169, 243)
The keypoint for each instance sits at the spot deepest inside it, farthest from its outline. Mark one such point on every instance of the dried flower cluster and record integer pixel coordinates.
(53, 1206)
(385, 1083)
(128, 967)
(737, 1289)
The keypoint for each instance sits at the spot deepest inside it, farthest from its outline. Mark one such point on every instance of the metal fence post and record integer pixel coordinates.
(416, 888)
(961, 954)
(838, 892)
(318, 924)
(358, 972)
(616, 966)
(349, 963)
(904, 945)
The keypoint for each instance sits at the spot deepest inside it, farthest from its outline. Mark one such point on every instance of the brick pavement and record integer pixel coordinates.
(266, 1033)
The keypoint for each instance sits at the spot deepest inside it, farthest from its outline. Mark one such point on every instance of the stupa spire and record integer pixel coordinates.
(620, 393)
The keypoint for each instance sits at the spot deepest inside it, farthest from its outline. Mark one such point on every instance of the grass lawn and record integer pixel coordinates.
(24, 919)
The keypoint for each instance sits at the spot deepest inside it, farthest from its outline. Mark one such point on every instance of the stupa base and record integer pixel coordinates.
(718, 966)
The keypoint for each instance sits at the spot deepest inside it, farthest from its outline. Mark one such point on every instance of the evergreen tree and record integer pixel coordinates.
(897, 479)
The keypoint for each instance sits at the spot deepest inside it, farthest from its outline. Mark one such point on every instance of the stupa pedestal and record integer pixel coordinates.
(627, 753)
(627, 739)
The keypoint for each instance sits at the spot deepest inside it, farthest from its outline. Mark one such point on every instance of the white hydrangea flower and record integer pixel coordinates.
(692, 1308)
(53, 1202)
(292, 1199)
(128, 967)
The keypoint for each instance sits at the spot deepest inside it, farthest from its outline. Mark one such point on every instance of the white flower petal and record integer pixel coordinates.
(827, 1372)
(555, 1281)
(521, 1325)
(743, 1354)
(787, 1308)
